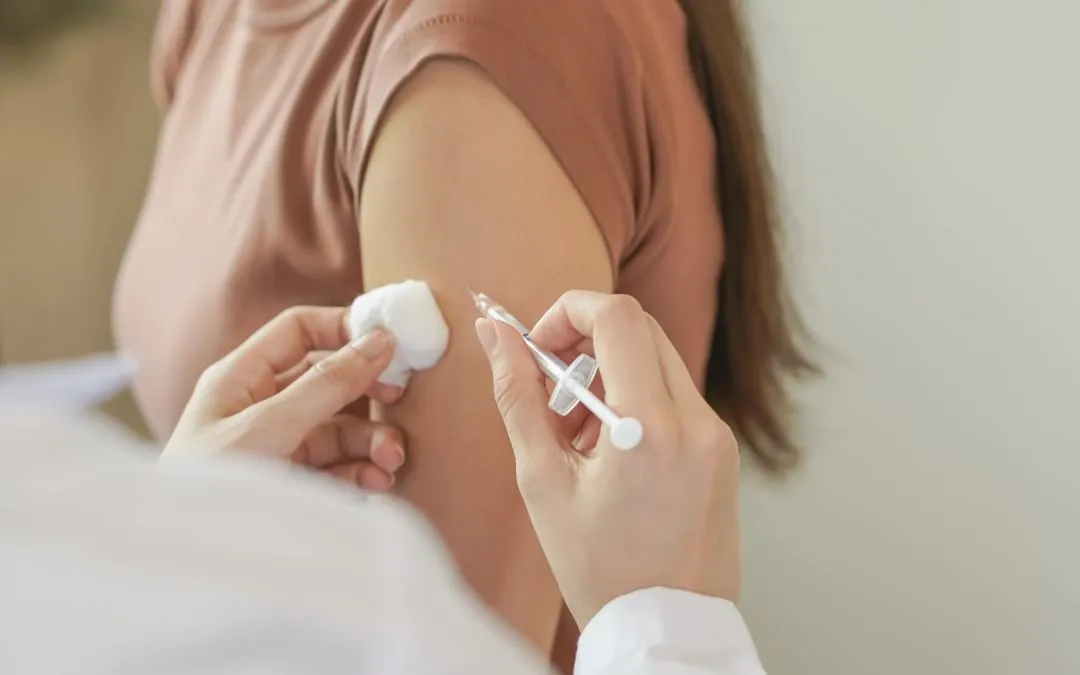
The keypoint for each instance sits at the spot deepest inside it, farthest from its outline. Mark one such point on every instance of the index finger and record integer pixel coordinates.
(622, 340)
(291, 335)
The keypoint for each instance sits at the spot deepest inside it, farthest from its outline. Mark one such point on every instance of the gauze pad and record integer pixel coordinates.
(408, 312)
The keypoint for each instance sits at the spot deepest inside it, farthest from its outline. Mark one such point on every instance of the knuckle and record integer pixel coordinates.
(715, 439)
(333, 372)
(618, 309)
(711, 431)
(568, 297)
(321, 440)
(659, 422)
(723, 437)
(654, 325)
(213, 374)
(310, 360)
(239, 430)
(663, 427)
(293, 313)
(339, 438)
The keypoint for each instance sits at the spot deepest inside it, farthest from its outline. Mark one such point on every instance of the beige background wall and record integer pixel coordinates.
(931, 153)
(77, 131)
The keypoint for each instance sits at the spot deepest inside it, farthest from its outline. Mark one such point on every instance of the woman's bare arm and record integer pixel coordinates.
(462, 192)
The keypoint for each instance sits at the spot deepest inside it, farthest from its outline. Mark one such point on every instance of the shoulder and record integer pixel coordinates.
(537, 16)
(178, 22)
(582, 38)
(568, 67)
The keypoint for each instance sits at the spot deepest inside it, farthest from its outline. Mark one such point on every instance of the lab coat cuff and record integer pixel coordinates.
(657, 626)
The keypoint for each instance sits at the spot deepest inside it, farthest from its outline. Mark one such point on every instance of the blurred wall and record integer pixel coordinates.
(931, 155)
(77, 131)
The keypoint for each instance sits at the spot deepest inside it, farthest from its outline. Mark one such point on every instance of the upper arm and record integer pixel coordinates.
(502, 147)
(461, 191)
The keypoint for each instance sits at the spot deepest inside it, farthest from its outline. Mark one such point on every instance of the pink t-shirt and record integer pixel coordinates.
(271, 107)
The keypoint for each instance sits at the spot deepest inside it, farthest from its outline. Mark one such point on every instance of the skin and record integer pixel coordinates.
(611, 521)
(462, 192)
(281, 393)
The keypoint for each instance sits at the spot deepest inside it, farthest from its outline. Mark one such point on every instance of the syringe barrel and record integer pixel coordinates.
(552, 365)
(499, 314)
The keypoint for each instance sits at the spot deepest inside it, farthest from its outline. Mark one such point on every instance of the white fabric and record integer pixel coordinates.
(66, 385)
(111, 563)
(661, 631)
(408, 311)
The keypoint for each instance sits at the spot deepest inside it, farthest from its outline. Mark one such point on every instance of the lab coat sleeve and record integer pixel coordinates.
(662, 631)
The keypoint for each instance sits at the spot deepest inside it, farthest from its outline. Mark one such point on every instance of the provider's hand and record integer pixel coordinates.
(613, 521)
(281, 394)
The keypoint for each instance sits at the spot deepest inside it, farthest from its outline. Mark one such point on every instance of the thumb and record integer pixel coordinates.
(520, 395)
(325, 388)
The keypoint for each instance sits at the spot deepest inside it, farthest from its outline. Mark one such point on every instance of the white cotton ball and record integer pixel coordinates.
(409, 312)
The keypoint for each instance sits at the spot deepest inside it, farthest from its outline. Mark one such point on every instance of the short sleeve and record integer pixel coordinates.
(172, 37)
(565, 64)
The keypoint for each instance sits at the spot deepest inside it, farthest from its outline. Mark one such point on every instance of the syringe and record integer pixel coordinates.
(571, 381)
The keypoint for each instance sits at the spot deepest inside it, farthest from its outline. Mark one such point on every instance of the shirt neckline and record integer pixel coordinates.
(279, 14)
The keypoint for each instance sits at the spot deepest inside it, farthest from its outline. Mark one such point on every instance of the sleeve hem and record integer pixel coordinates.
(663, 625)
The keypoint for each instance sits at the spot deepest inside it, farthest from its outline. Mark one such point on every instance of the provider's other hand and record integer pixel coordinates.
(281, 394)
(613, 521)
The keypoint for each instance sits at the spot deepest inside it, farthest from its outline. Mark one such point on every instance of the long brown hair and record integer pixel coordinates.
(759, 338)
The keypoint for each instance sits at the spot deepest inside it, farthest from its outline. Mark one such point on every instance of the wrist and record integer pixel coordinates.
(585, 613)
(636, 596)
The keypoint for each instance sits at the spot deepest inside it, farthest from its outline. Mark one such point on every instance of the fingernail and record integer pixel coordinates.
(399, 457)
(485, 331)
(386, 452)
(373, 344)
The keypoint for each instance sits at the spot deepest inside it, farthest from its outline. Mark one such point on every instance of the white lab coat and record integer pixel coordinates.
(112, 563)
